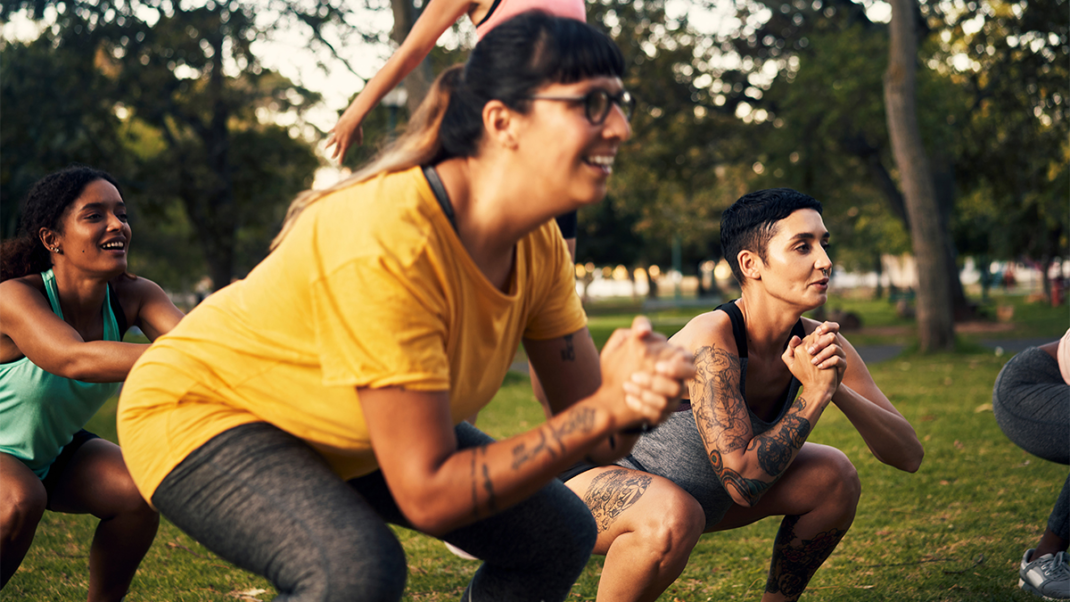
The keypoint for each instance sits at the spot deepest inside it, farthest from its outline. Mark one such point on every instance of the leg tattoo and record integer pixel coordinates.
(613, 492)
(796, 560)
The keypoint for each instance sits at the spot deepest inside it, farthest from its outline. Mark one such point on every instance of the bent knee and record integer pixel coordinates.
(125, 500)
(674, 528)
(843, 484)
(22, 507)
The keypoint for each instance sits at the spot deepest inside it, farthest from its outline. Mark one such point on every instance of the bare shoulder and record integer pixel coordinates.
(17, 291)
(135, 288)
(710, 329)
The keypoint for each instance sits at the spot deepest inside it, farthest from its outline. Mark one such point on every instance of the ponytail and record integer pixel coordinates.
(509, 64)
(418, 145)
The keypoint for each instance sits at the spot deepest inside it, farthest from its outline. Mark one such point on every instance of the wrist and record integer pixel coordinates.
(820, 393)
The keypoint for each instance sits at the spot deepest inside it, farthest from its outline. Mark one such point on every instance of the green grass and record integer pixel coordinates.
(954, 531)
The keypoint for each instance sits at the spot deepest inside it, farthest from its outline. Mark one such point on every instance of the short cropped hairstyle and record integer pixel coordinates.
(750, 223)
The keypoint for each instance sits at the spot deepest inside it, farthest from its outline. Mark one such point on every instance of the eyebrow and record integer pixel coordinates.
(807, 236)
(99, 205)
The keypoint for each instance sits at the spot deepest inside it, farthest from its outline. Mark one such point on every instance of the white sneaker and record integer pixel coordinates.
(1047, 576)
(459, 552)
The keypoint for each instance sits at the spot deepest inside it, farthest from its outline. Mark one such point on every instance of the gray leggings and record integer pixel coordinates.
(1032, 406)
(267, 502)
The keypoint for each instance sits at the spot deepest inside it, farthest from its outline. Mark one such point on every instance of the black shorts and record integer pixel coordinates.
(62, 460)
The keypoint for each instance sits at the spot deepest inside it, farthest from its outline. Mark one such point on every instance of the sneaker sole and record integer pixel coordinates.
(1028, 587)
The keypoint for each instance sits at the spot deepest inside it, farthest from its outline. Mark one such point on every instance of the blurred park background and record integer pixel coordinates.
(211, 113)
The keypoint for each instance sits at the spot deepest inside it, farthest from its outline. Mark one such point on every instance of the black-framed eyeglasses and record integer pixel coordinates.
(597, 103)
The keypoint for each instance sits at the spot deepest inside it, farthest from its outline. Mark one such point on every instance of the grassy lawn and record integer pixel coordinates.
(954, 531)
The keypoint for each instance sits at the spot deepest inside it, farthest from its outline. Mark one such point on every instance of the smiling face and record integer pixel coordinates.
(94, 234)
(568, 156)
(796, 266)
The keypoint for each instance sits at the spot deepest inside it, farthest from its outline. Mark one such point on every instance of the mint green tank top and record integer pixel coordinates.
(39, 411)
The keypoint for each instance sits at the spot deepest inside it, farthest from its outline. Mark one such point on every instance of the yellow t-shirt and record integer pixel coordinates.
(372, 288)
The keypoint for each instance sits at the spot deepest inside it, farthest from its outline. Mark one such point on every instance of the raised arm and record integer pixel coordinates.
(436, 18)
(55, 346)
(748, 465)
(440, 488)
(887, 433)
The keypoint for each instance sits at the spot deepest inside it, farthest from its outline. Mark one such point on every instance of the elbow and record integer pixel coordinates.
(908, 461)
(744, 491)
(427, 514)
(913, 462)
(741, 500)
(74, 369)
(435, 524)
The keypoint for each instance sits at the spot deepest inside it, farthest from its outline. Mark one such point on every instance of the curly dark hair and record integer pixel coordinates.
(43, 208)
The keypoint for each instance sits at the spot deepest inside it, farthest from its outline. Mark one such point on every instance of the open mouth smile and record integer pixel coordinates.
(603, 162)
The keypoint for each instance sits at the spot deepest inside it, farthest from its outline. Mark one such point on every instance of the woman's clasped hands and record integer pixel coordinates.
(643, 376)
(817, 359)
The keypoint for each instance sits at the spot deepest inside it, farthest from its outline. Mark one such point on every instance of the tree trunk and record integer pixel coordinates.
(418, 82)
(936, 329)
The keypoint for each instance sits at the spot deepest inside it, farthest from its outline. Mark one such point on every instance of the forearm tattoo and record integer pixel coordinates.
(796, 560)
(777, 448)
(750, 489)
(522, 453)
(568, 354)
(724, 424)
(613, 492)
(579, 419)
(481, 471)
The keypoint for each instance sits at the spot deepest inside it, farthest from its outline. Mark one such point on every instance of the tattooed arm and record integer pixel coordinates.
(569, 369)
(440, 488)
(747, 465)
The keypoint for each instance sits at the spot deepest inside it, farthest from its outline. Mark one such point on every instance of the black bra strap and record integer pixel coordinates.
(440, 194)
(739, 327)
(798, 330)
(490, 12)
(117, 309)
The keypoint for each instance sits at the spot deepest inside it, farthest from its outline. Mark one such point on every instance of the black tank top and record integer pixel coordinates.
(739, 333)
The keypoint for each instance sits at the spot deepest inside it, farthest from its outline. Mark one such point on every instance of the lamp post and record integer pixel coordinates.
(393, 100)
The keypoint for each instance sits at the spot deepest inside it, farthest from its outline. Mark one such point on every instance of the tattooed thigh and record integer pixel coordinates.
(613, 492)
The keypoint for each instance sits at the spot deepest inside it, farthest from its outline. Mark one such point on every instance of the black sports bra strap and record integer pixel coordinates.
(798, 330)
(493, 7)
(117, 309)
(739, 327)
(440, 194)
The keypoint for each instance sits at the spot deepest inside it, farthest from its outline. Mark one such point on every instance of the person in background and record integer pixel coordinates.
(1031, 401)
(294, 414)
(737, 450)
(66, 299)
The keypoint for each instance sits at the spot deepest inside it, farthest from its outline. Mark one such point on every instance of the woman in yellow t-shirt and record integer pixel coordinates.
(294, 414)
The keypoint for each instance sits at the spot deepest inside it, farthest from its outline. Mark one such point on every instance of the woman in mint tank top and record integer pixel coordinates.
(65, 300)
